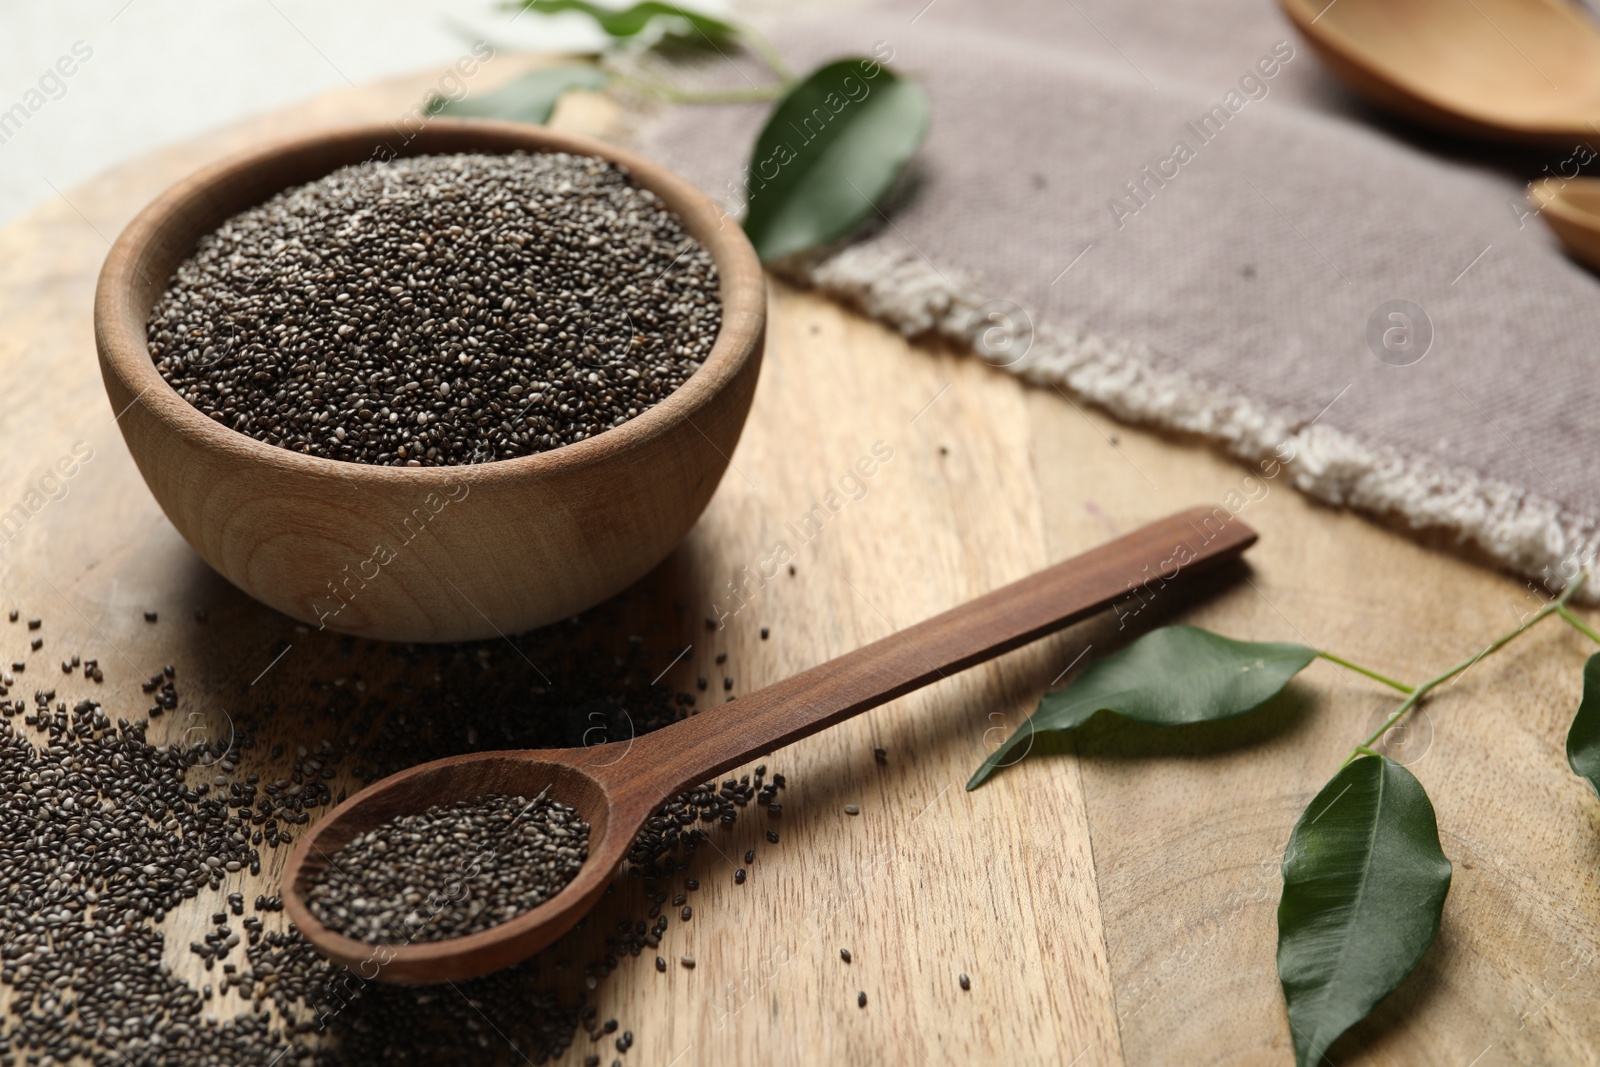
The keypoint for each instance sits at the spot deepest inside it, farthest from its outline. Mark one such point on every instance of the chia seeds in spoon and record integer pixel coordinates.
(440, 310)
(452, 870)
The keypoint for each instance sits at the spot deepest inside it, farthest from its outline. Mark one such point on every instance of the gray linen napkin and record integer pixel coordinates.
(1172, 210)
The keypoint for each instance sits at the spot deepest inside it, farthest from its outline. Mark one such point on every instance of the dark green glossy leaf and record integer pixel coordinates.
(1168, 677)
(1583, 740)
(830, 149)
(631, 21)
(1364, 882)
(530, 98)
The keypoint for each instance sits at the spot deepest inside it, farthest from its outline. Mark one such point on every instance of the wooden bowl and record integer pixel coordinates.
(423, 553)
(1514, 71)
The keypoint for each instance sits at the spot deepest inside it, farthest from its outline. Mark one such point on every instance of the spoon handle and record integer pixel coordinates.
(1147, 560)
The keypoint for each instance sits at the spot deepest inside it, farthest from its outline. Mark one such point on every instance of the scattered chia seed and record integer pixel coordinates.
(861, 999)
(880, 755)
(772, 835)
(440, 310)
(765, 633)
(687, 961)
(738, 876)
(749, 855)
(966, 983)
(844, 954)
(105, 835)
(852, 809)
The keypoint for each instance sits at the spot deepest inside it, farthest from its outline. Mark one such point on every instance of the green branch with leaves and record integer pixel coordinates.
(834, 144)
(1364, 876)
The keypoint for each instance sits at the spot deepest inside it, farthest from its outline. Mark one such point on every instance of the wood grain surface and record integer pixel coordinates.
(1113, 899)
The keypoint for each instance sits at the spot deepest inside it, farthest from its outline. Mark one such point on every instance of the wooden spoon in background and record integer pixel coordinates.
(1571, 208)
(1523, 71)
(616, 786)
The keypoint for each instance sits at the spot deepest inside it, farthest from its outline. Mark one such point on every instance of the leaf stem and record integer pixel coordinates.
(754, 95)
(1415, 698)
(1578, 624)
(1374, 675)
(767, 51)
(674, 95)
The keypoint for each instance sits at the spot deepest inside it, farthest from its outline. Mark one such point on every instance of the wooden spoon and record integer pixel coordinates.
(616, 786)
(1571, 208)
(1507, 70)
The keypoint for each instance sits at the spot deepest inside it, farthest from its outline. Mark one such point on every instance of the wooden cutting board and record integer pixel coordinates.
(1113, 900)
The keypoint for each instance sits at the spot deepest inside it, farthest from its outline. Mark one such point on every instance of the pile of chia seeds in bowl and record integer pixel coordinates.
(440, 310)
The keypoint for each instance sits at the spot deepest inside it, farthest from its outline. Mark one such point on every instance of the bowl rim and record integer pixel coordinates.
(125, 355)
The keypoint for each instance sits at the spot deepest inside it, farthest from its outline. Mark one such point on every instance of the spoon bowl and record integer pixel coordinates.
(616, 786)
(563, 772)
(1522, 71)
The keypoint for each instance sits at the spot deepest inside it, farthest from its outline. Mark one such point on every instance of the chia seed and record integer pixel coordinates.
(410, 879)
(440, 310)
(105, 835)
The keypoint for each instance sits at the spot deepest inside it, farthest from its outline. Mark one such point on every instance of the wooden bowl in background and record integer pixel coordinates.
(423, 553)
(1517, 71)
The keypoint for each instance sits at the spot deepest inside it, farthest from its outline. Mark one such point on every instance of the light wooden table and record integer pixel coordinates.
(1114, 900)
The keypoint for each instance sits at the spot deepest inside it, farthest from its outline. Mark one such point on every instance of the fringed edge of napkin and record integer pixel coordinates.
(1529, 535)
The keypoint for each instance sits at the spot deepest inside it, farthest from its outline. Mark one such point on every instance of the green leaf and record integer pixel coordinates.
(831, 147)
(631, 21)
(1364, 882)
(530, 98)
(1583, 740)
(1168, 677)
